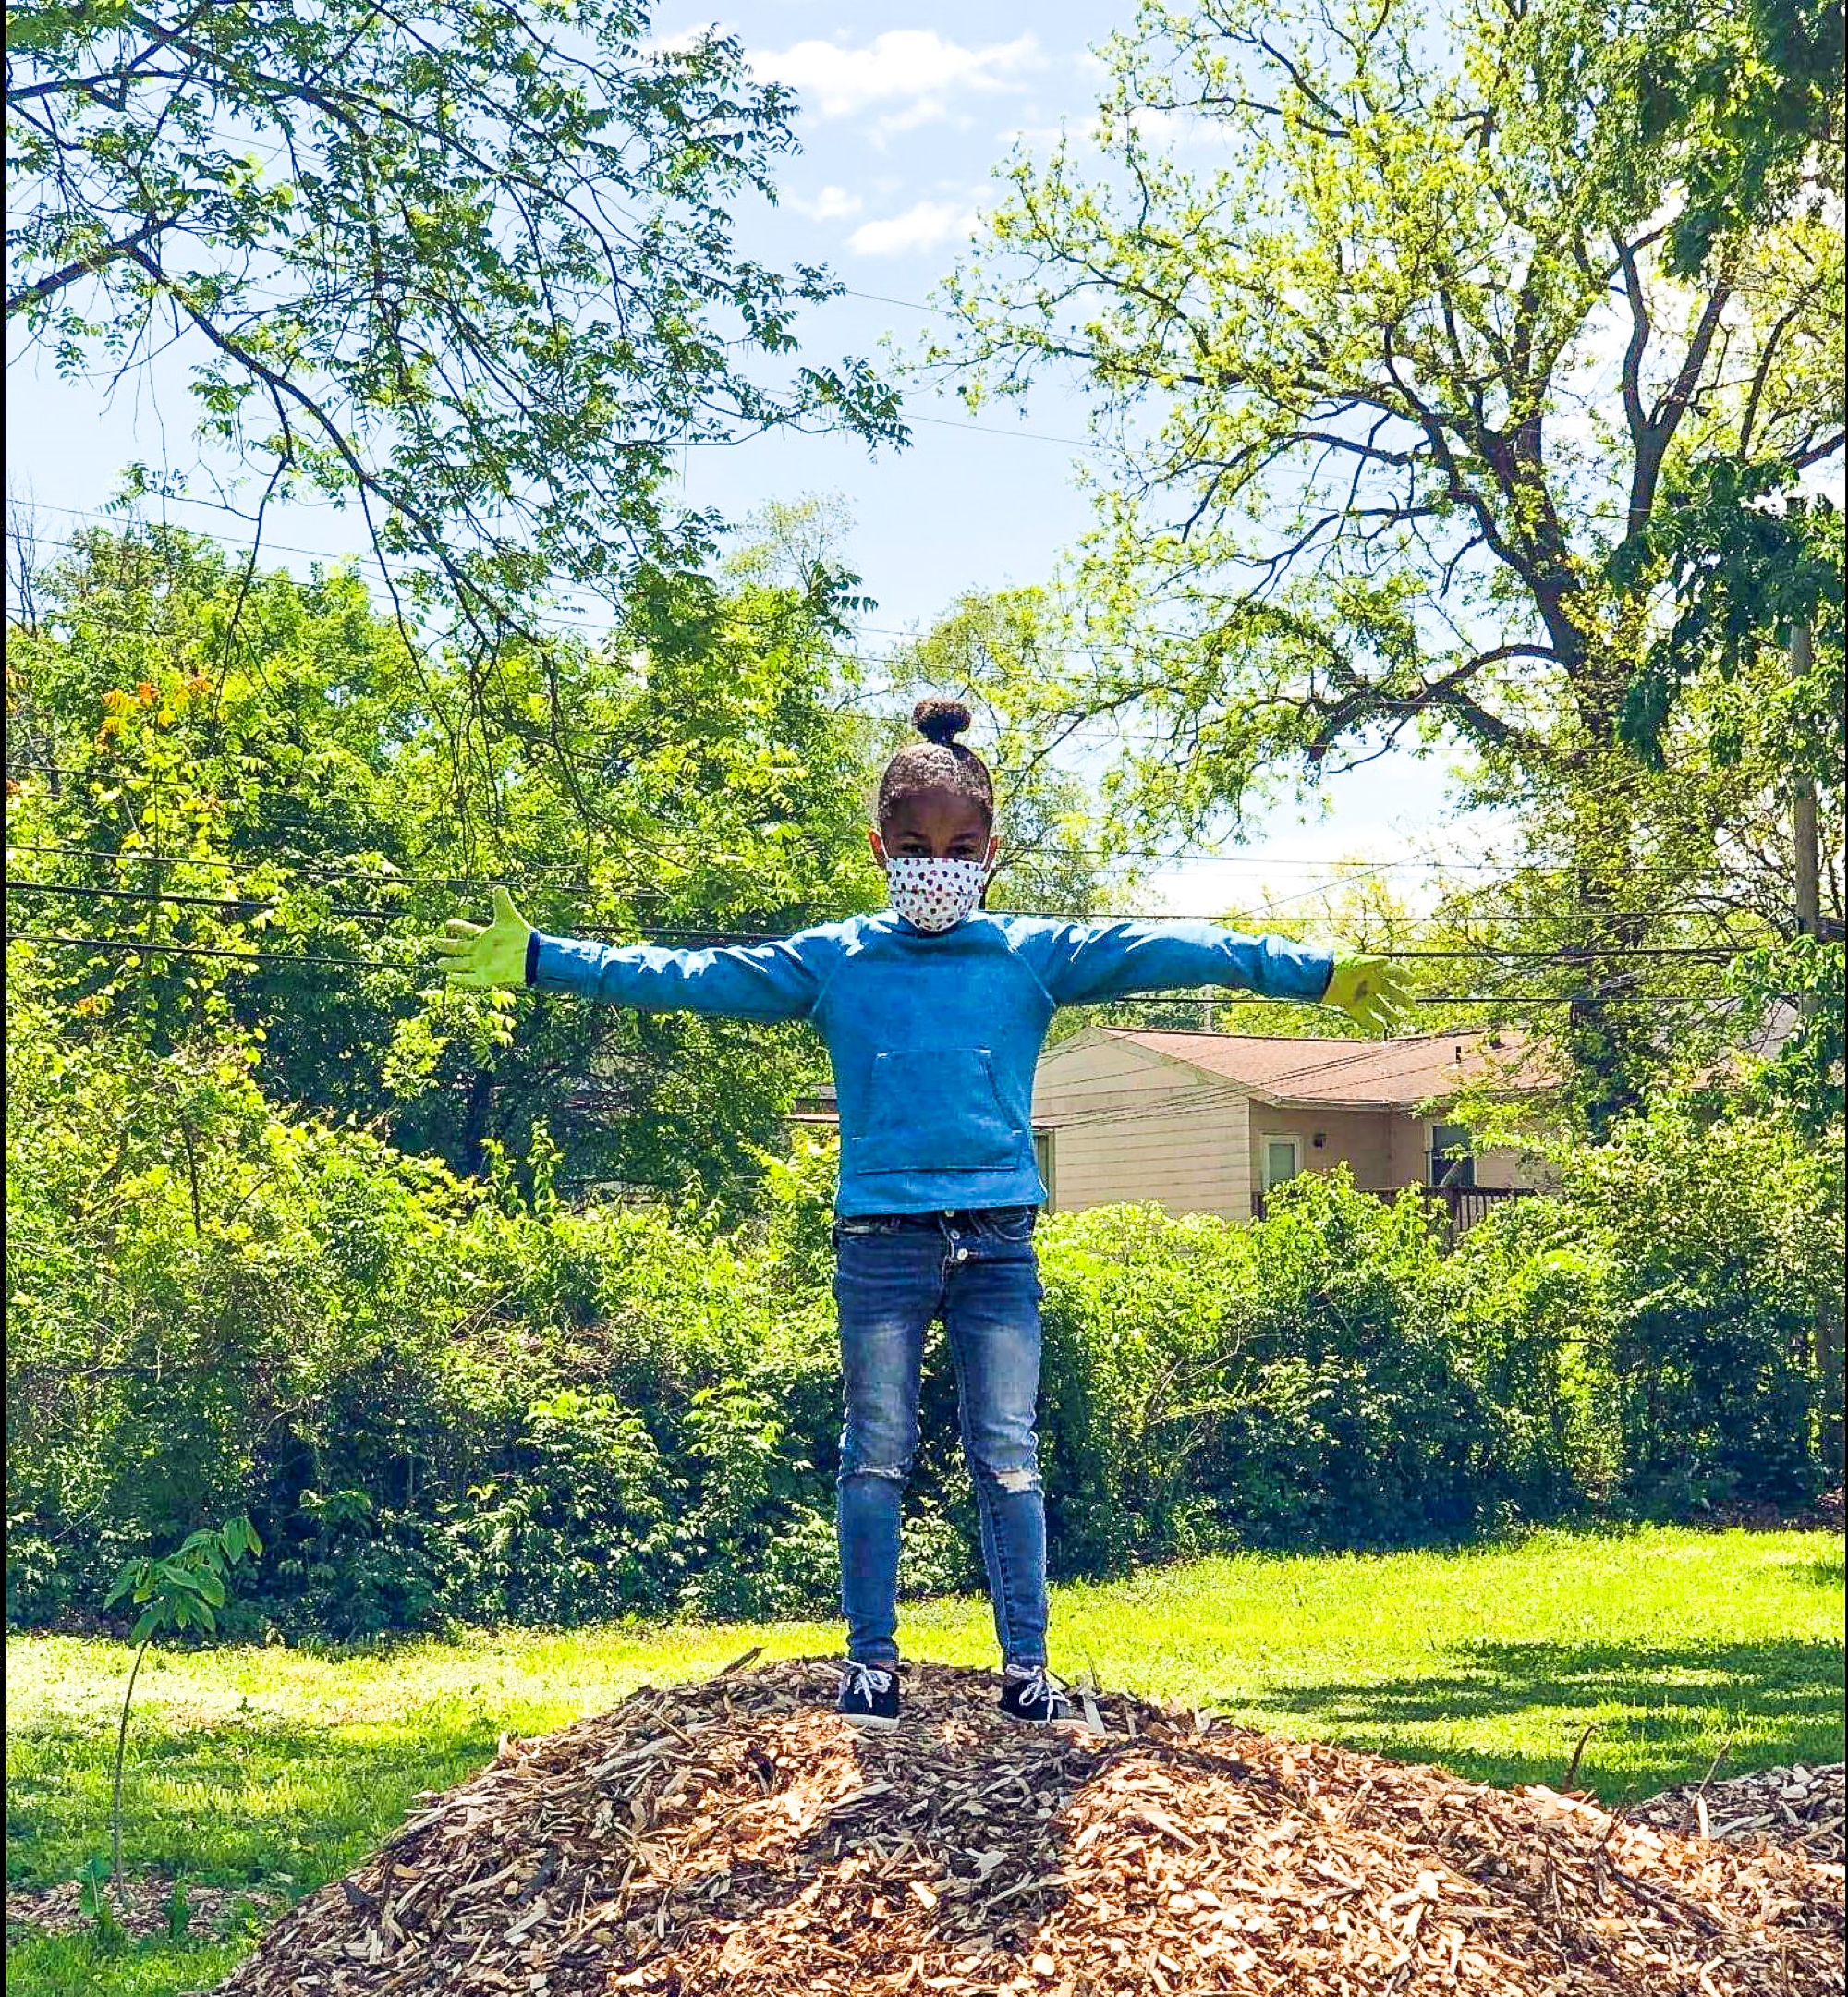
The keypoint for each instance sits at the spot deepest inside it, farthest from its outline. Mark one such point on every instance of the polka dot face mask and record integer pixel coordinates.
(935, 894)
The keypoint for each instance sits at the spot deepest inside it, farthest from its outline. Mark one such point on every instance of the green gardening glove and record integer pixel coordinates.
(1372, 991)
(480, 958)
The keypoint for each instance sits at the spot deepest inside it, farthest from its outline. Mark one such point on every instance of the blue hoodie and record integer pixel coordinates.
(933, 1037)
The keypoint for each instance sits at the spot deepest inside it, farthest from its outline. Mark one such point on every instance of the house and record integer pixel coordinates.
(1209, 1123)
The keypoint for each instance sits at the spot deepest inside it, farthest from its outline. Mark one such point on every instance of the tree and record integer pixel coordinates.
(238, 762)
(181, 1591)
(1399, 395)
(469, 266)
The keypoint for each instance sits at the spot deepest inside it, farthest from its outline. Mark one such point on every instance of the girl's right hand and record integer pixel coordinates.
(480, 958)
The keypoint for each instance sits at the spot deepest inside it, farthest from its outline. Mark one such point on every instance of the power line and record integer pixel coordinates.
(1080, 732)
(185, 949)
(597, 627)
(910, 305)
(634, 893)
(684, 853)
(1564, 955)
(274, 956)
(374, 915)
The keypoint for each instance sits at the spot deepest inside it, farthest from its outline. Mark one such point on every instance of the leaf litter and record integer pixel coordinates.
(738, 1837)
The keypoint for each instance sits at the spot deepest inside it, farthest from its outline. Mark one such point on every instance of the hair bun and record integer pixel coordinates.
(941, 721)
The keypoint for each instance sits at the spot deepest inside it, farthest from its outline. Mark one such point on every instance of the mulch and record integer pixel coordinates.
(1757, 1515)
(736, 1837)
(140, 1907)
(1797, 1808)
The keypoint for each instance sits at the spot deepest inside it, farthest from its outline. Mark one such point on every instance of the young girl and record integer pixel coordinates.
(933, 1012)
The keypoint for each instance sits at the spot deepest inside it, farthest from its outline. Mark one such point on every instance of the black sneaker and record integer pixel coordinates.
(1034, 1695)
(868, 1695)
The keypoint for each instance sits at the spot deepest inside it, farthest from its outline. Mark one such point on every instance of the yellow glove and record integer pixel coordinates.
(1372, 991)
(495, 955)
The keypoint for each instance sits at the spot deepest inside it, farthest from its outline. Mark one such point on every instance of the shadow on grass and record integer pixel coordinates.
(1777, 1700)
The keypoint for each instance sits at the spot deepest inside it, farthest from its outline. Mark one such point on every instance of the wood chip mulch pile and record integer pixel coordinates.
(735, 1837)
(1797, 1808)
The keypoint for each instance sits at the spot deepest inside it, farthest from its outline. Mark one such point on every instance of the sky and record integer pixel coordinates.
(901, 124)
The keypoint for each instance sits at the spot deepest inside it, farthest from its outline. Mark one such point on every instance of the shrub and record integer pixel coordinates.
(436, 1400)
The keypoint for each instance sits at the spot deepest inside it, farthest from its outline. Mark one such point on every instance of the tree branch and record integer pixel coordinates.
(92, 261)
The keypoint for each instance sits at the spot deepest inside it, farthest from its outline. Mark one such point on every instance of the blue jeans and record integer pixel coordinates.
(894, 1273)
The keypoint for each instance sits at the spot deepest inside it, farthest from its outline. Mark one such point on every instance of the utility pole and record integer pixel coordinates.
(1828, 1357)
(1803, 818)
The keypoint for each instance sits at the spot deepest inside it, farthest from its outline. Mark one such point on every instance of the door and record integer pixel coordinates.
(1042, 1159)
(1282, 1160)
(1450, 1162)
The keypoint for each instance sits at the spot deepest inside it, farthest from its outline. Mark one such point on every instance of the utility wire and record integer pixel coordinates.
(907, 652)
(186, 949)
(696, 852)
(274, 956)
(1573, 953)
(647, 894)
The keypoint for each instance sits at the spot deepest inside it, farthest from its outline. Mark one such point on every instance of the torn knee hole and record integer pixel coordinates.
(893, 1472)
(1018, 1479)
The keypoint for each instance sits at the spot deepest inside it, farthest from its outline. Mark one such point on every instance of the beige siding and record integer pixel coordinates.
(1192, 1161)
(1360, 1140)
(1083, 1077)
(1410, 1150)
(1128, 1125)
(1502, 1165)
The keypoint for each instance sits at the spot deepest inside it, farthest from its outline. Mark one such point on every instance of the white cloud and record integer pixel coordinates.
(919, 227)
(832, 204)
(910, 67)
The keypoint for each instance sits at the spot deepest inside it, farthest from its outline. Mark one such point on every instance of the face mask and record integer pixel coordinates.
(935, 894)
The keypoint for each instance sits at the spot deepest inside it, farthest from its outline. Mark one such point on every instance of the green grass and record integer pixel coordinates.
(279, 1768)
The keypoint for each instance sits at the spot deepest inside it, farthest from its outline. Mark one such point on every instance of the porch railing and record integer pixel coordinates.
(1463, 1205)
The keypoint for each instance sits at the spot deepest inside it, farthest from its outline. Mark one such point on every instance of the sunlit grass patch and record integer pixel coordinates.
(278, 1768)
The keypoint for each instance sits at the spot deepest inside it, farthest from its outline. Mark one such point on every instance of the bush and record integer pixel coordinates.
(1705, 1250)
(435, 1400)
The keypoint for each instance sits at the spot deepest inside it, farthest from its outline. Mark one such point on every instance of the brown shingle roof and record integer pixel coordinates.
(1389, 1073)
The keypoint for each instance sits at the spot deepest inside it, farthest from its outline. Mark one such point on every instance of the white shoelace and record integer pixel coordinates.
(862, 1681)
(1038, 1687)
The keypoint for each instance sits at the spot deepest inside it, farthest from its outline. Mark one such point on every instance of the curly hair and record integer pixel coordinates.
(939, 763)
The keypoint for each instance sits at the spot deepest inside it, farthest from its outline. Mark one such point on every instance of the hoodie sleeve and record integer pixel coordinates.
(770, 980)
(1080, 963)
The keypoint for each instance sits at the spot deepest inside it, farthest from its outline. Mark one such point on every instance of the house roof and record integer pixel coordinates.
(1368, 1074)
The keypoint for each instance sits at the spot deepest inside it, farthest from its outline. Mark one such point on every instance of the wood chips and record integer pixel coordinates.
(736, 1837)
(1797, 1808)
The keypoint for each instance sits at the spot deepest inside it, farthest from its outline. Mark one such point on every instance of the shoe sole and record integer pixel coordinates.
(1076, 1723)
(871, 1722)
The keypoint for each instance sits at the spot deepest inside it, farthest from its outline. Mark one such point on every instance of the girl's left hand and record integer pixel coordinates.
(1374, 991)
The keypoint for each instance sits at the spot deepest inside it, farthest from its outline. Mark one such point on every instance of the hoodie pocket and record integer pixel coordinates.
(936, 1110)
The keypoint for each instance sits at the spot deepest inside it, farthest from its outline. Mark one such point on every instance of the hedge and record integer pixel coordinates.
(439, 1401)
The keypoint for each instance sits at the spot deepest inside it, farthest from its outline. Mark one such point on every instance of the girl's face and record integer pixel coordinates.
(935, 825)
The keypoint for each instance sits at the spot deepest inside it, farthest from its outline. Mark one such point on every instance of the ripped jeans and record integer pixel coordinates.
(894, 1273)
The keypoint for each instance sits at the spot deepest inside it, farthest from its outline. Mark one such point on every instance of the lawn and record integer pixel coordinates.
(276, 1768)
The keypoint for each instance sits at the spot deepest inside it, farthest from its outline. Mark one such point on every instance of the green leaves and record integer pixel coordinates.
(472, 264)
(1746, 557)
(183, 1590)
(1414, 430)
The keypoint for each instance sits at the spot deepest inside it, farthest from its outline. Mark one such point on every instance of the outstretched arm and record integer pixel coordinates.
(1081, 963)
(770, 980)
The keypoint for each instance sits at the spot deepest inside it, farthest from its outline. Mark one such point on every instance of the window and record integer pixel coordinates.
(1282, 1160)
(1450, 1162)
(1042, 1159)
